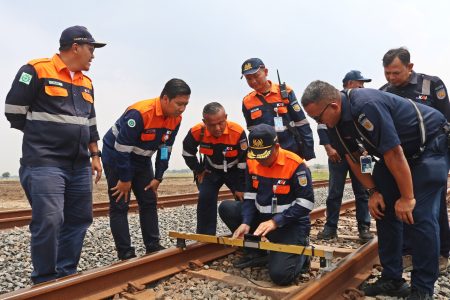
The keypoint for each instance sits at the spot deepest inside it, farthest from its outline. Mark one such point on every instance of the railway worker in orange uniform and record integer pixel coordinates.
(222, 145)
(52, 102)
(276, 105)
(277, 201)
(145, 127)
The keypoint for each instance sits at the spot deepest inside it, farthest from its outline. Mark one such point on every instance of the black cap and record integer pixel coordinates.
(251, 66)
(262, 140)
(355, 75)
(80, 35)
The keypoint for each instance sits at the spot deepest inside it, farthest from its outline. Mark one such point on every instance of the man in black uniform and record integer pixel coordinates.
(410, 142)
(431, 91)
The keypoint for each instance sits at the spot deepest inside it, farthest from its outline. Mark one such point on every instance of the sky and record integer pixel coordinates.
(205, 43)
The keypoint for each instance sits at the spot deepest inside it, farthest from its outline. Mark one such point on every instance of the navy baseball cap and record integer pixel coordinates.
(80, 35)
(251, 66)
(262, 140)
(355, 75)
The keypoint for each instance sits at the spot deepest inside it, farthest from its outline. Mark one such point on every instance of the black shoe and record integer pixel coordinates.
(251, 260)
(327, 233)
(418, 295)
(388, 287)
(127, 255)
(153, 248)
(364, 234)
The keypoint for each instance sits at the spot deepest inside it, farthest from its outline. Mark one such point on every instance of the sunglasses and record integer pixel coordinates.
(318, 118)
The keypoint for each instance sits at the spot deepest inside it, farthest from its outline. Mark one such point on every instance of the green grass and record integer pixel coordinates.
(319, 174)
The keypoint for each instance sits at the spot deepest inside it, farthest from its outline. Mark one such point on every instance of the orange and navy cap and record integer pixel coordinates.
(251, 66)
(80, 35)
(262, 141)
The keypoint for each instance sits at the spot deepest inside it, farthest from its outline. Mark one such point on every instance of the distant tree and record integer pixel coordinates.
(6, 175)
(317, 166)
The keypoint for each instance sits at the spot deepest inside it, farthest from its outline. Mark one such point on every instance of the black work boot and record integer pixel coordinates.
(388, 287)
(127, 254)
(153, 248)
(252, 259)
(327, 233)
(364, 233)
(419, 295)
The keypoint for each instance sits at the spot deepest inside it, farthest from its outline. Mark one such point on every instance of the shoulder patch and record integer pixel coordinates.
(131, 123)
(243, 144)
(365, 122)
(441, 94)
(302, 178)
(25, 78)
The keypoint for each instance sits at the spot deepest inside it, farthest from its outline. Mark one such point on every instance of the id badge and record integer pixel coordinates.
(274, 205)
(225, 166)
(278, 121)
(164, 152)
(366, 164)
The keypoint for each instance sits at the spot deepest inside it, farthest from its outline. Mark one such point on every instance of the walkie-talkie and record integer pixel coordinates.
(283, 91)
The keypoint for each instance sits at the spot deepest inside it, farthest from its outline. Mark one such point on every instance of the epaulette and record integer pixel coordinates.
(235, 127)
(197, 127)
(39, 60)
(294, 157)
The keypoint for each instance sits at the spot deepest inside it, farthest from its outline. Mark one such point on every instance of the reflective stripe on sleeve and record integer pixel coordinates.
(16, 109)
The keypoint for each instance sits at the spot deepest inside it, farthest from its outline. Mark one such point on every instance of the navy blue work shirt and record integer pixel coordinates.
(387, 121)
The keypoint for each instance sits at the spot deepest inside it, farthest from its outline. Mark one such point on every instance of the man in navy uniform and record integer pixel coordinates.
(410, 141)
(428, 90)
(338, 169)
(222, 145)
(276, 105)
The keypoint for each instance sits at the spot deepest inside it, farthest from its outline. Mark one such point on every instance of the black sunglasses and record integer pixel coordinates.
(318, 118)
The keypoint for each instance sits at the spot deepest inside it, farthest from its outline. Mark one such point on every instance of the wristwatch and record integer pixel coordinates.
(372, 191)
(97, 153)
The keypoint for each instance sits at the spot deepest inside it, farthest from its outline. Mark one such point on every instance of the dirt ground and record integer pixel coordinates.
(12, 195)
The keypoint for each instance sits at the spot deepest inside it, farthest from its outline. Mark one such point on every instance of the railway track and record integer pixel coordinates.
(22, 217)
(134, 274)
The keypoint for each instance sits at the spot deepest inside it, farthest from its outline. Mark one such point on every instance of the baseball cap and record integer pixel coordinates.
(262, 140)
(355, 75)
(80, 35)
(251, 66)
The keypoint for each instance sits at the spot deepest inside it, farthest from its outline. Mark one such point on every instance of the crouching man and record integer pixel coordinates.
(277, 202)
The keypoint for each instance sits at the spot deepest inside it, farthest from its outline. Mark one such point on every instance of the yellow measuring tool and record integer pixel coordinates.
(251, 242)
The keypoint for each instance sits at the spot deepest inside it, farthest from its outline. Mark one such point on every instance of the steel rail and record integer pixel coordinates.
(106, 281)
(22, 217)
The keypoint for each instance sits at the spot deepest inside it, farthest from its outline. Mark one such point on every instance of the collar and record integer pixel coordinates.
(60, 65)
(413, 78)
(159, 111)
(346, 113)
(226, 131)
(272, 90)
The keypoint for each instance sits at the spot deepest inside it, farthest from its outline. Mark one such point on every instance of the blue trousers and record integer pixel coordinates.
(283, 267)
(118, 211)
(429, 174)
(61, 203)
(338, 175)
(207, 198)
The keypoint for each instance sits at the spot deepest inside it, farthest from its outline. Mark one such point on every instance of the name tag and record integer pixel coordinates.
(278, 121)
(164, 151)
(366, 164)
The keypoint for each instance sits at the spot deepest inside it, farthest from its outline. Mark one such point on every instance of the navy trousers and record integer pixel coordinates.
(118, 211)
(338, 175)
(207, 198)
(429, 175)
(283, 267)
(61, 205)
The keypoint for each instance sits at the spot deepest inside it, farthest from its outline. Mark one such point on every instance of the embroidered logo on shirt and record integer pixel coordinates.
(441, 94)
(362, 119)
(422, 97)
(302, 179)
(25, 78)
(131, 123)
(297, 107)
